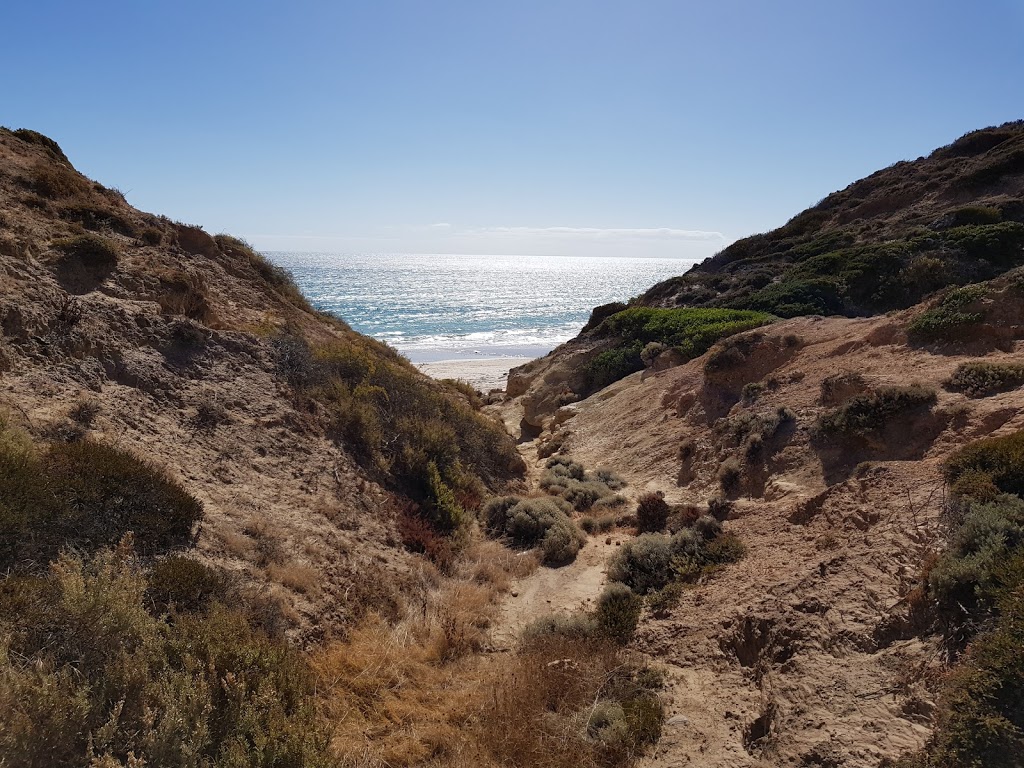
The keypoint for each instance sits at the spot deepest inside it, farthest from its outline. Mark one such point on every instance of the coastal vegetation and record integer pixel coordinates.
(865, 415)
(423, 438)
(976, 590)
(688, 332)
(981, 379)
(883, 243)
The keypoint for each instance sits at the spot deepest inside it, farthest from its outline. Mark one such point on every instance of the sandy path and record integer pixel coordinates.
(564, 590)
(555, 590)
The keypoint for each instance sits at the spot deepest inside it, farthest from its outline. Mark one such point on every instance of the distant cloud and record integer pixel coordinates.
(441, 225)
(596, 233)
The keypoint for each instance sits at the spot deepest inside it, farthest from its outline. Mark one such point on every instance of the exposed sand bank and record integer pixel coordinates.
(485, 375)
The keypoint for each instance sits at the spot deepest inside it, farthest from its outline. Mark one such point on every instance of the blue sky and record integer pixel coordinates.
(642, 128)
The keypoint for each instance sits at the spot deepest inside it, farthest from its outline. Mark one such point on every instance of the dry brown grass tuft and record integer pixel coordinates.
(417, 692)
(300, 578)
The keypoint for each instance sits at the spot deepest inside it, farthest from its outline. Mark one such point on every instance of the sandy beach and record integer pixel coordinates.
(485, 375)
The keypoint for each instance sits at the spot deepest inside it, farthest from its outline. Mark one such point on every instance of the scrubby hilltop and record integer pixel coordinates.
(884, 243)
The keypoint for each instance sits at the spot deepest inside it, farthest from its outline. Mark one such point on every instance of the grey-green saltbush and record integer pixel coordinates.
(540, 523)
(643, 564)
(618, 612)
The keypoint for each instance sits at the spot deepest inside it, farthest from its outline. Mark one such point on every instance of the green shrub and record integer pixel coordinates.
(397, 422)
(868, 413)
(602, 523)
(1000, 458)
(540, 523)
(610, 479)
(973, 214)
(948, 320)
(566, 478)
(87, 495)
(795, 297)
(561, 543)
(1000, 243)
(643, 564)
(651, 512)
(981, 707)
(613, 364)
(95, 253)
(87, 673)
(698, 556)
(964, 578)
(691, 332)
(186, 584)
(730, 472)
(618, 612)
(58, 182)
(980, 379)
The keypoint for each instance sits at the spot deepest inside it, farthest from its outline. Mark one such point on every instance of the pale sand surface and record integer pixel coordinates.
(485, 375)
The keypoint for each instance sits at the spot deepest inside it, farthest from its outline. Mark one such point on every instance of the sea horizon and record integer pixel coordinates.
(437, 307)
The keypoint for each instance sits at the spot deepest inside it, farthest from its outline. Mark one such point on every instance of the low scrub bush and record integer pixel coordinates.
(1001, 459)
(730, 473)
(600, 524)
(691, 332)
(420, 537)
(84, 412)
(555, 685)
(93, 252)
(185, 584)
(868, 413)
(652, 561)
(89, 676)
(618, 612)
(651, 512)
(568, 479)
(951, 319)
(58, 182)
(980, 379)
(699, 562)
(977, 586)
(86, 494)
(542, 523)
(644, 564)
(964, 580)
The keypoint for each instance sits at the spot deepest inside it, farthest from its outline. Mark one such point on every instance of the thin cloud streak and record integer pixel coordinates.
(658, 233)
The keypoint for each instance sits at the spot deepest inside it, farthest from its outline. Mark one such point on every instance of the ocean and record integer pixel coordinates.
(443, 307)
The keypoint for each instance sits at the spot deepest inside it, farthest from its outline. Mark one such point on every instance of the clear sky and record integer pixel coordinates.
(634, 128)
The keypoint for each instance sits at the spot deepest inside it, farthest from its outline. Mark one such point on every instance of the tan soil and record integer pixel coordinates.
(800, 654)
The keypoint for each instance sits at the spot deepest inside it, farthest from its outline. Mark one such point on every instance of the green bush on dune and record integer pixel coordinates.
(691, 332)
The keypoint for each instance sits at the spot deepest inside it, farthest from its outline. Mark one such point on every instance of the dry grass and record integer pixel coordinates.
(419, 692)
(300, 578)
